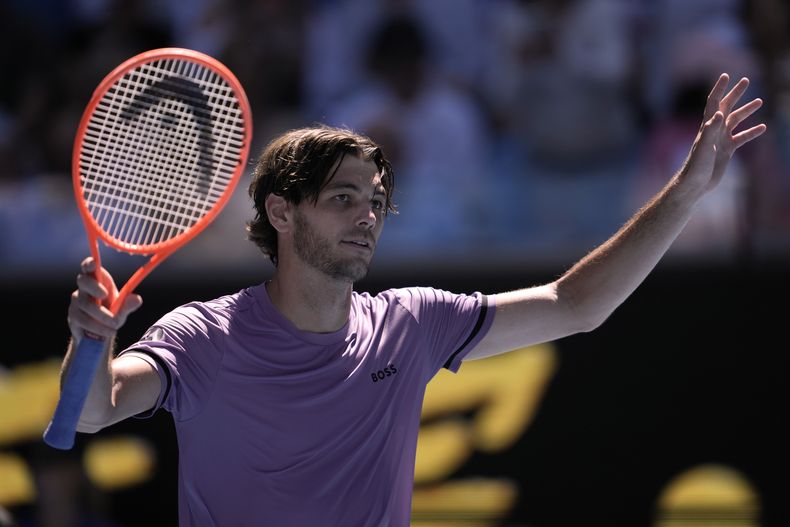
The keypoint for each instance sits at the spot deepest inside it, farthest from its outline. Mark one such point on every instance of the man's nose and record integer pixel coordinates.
(367, 216)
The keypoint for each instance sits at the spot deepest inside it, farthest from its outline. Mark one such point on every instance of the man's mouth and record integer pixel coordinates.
(362, 244)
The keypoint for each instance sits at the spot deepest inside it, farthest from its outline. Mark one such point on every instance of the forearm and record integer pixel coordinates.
(603, 279)
(98, 404)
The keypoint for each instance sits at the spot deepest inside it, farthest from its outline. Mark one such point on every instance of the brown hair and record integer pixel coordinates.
(296, 165)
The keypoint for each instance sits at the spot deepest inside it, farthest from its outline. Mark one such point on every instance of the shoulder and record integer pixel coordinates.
(203, 317)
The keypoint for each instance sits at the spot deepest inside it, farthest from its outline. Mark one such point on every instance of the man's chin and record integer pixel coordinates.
(348, 271)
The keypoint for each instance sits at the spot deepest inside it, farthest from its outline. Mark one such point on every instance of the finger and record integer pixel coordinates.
(106, 280)
(88, 265)
(88, 284)
(744, 137)
(81, 325)
(88, 305)
(716, 93)
(729, 100)
(89, 316)
(739, 115)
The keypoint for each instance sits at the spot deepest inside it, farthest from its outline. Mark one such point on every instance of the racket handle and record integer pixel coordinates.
(79, 377)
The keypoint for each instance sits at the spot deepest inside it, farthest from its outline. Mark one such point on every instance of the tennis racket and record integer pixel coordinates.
(161, 145)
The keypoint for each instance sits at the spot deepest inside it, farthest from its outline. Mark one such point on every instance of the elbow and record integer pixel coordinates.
(91, 422)
(592, 322)
(583, 322)
(86, 428)
(586, 313)
(591, 316)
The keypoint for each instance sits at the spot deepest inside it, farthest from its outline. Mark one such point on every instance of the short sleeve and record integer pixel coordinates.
(451, 324)
(184, 347)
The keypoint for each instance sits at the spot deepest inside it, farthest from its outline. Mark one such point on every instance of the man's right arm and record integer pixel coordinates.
(123, 386)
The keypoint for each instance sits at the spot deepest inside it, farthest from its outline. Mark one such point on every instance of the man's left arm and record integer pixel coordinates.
(584, 297)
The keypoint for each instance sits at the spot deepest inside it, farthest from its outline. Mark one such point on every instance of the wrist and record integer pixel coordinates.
(688, 188)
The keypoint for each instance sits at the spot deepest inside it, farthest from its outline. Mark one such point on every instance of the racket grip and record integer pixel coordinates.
(79, 377)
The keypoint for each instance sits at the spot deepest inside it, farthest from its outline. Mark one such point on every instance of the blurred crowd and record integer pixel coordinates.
(517, 128)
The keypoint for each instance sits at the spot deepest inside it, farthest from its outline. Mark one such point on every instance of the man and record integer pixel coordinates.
(297, 401)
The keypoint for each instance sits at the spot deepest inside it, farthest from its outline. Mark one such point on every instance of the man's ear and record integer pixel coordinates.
(279, 210)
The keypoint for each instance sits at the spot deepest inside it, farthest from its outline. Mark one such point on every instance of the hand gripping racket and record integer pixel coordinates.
(158, 152)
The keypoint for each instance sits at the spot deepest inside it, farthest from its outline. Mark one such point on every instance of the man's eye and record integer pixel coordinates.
(378, 204)
(342, 198)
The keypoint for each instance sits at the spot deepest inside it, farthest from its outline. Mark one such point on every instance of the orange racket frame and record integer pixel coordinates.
(62, 429)
(163, 250)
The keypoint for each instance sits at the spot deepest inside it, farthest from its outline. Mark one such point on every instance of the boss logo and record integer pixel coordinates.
(380, 375)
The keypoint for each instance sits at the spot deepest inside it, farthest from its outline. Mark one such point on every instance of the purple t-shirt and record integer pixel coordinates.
(283, 427)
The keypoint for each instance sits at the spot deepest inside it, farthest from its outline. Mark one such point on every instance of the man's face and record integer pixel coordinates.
(338, 234)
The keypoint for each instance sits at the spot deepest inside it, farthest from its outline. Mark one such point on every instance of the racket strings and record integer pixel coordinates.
(160, 149)
(170, 111)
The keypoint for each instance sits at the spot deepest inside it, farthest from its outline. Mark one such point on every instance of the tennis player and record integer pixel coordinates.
(297, 401)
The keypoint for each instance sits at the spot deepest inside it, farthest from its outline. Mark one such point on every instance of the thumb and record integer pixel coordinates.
(130, 304)
(711, 129)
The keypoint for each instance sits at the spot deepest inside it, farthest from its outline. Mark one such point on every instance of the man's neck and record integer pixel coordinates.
(311, 301)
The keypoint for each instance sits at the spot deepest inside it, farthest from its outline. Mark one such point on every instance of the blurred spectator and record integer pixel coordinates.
(769, 24)
(562, 81)
(22, 91)
(264, 49)
(432, 130)
(56, 86)
(561, 86)
(337, 33)
(672, 18)
(261, 41)
(39, 225)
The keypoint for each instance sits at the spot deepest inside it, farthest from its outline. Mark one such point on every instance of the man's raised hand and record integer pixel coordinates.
(717, 139)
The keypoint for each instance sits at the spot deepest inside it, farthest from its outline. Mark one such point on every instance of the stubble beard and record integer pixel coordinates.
(318, 252)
